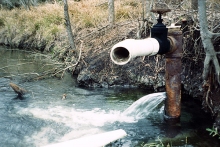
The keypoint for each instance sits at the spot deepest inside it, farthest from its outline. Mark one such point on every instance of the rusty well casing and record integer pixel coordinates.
(173, 76)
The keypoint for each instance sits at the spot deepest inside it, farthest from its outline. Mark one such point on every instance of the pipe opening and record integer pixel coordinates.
(120, 54)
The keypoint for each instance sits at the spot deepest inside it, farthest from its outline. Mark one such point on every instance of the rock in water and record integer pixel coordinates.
(64, 96)
(20, 91)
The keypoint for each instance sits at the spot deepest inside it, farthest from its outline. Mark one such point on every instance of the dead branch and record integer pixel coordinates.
(63, 70)
(215, 35)
(20, 91)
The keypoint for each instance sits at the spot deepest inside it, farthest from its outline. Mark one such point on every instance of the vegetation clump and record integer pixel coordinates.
(2, 24)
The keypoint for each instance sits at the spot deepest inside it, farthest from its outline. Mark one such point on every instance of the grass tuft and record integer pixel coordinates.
(2, 23)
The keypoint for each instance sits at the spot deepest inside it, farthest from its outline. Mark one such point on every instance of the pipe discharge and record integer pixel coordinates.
(124, 51)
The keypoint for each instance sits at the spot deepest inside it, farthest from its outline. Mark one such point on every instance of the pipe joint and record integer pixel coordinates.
(175, 45)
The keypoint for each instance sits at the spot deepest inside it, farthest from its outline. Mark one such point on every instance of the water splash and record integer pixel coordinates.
(145, 105)
(75, 118)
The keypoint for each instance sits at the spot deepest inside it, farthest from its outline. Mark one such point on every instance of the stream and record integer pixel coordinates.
(42, 117)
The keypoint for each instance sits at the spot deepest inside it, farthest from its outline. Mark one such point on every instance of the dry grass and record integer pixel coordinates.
(92, 13)
(46, 22)
(86, 14)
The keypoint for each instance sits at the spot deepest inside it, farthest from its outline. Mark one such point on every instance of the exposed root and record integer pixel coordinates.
(207, 97)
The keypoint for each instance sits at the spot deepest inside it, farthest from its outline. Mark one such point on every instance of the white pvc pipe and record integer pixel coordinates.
(97, 140)
(124, 51)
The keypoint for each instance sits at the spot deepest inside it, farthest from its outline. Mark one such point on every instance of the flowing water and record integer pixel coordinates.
(41, 117)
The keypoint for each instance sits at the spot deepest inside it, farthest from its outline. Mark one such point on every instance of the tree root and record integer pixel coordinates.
(208, 87)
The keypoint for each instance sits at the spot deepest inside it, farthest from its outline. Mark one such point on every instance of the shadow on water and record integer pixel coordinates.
(19, 97)
(41, 116)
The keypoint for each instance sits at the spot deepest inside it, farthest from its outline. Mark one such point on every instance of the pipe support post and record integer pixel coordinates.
(173, 70)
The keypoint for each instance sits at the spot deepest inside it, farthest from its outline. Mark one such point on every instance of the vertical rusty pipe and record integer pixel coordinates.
(173, 76)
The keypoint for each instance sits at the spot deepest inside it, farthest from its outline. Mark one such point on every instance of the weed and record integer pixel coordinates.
(54, 30)
(159, 144)
(53, 19)
(213, 132)
(122, 14)
(132, 3)
(37, 26)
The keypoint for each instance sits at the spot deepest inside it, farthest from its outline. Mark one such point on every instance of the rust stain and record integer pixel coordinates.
(173, 76)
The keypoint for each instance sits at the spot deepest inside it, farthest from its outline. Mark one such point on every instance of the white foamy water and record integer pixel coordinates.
(77, 117)
(97, 117)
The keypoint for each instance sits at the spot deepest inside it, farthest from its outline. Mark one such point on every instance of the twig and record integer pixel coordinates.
(215, 35)
(73, 64)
